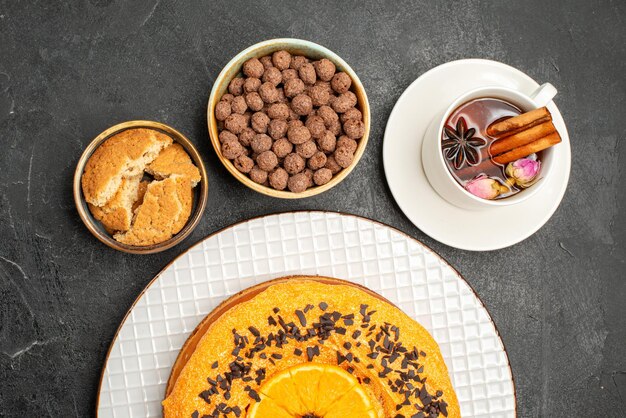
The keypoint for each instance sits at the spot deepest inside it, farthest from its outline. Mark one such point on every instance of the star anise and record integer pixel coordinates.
(460, 145)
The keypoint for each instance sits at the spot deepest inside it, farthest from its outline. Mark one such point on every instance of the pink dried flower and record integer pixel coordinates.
(485, 187)
(523, 172)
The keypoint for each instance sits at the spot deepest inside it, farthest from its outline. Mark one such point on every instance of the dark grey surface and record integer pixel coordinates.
(70, 70)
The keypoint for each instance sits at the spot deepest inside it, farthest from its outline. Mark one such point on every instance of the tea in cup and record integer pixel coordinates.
(491, 147)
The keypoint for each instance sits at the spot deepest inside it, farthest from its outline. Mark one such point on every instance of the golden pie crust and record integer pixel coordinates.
(397, 357)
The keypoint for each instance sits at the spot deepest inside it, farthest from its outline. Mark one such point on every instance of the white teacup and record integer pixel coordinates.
(435, 166)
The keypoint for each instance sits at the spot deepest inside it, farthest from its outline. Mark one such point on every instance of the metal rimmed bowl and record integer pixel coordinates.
(296, 47)
(201, 192)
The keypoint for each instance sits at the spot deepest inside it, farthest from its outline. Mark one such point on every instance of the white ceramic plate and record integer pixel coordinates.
(484, 230)
(344, 246)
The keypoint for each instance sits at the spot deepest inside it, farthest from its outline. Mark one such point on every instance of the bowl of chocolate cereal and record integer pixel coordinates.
(140, 187)
(288, 118)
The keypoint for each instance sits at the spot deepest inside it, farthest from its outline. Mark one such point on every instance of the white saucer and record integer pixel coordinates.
(484, 230)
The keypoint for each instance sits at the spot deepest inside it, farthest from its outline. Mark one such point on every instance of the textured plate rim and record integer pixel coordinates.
(158, 275)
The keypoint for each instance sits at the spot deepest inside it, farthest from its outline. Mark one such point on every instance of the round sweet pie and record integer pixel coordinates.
(309, 347)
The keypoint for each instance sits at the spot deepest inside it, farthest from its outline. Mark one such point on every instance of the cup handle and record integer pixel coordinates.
(544, 94)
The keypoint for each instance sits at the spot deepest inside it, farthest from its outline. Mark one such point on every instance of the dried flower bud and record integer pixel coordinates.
(485, 187)
(523, 172)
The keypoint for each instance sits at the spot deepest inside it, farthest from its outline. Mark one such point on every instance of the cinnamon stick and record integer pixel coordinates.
(521, 138)
(519, 123)
(525, 150)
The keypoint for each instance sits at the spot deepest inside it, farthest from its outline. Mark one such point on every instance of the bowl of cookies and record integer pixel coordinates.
(288, 118)
(140, 187)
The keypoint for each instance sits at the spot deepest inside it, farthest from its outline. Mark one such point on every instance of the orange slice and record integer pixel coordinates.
(282, 391)
(334, 385)
(313, 390)
(267, 408)
(306, 379)
(355, 404)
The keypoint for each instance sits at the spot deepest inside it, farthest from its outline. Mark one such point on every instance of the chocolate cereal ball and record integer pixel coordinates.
(328, 114)
(293, 163)
(257, 175)
(222, 110)
(309, 175)
(293, 87)
(226, 136)
(281, 95)
(266, 61)
(246, 118)
(289, 74)
(298, 183)
(341, 82)
(343, 102)
(332, 165)
(272, 75)
(315, 125)
(298, 134)
(319, 95)
(278, 111)
(295, 122)
(298, 61)
(354, 128)
(227, 98)
(261, 143)
(281, 60)
(322, 176)
(232, 149)
(347, 142)
(307, 74)
(253, 68)
(268, 92)
(259, 122)
(343, 156)
(235, 87)
(302, 104)
(239, 105)
(335, 128)
(236, 123)
(254, 101)
(277, 128)
(317, 161)
(325, 85)
(278, 178)
(245, 137)
(352, 113)
(325, 69)
(327, 142)
(282, 147)
(306, 149)
(251, 84)
(293, 115)
(243, 163)
(267, 160)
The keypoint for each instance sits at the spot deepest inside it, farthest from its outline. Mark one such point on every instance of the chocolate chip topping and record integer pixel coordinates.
(398, 365)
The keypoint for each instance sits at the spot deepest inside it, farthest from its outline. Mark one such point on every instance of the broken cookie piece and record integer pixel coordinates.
(165, 209)
(123, 155)
(174, 160)
(117, 213)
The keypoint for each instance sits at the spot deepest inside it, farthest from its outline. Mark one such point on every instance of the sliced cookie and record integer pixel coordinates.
(117, 213)
(174, 160)
(165, 209)
(125, 154)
